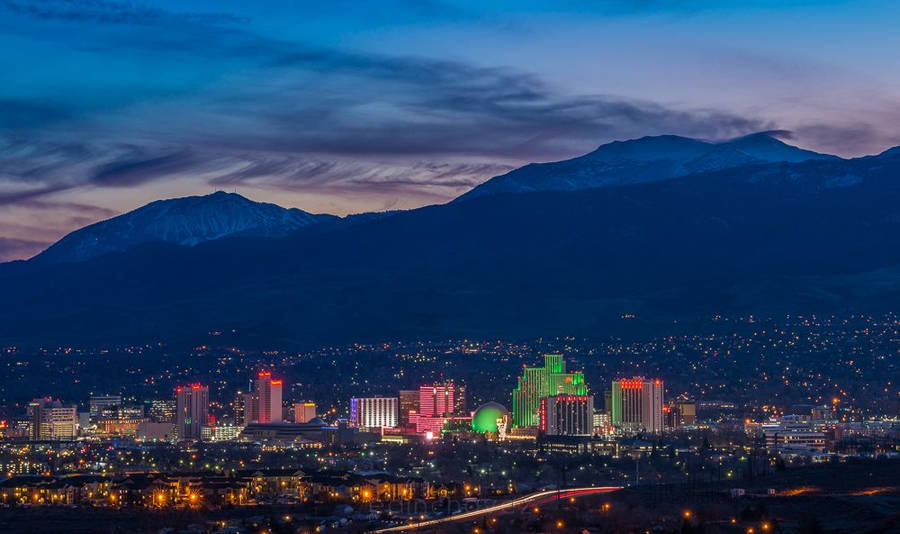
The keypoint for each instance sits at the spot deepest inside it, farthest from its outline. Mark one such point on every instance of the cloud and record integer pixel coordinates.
(112, 12)
(299, 117)
(82, 210)
(19, 197)
(298, 174)
(338, 103)
(138, 169)
(294, 97)
(850, 138)
(290, 97)
(784, 135)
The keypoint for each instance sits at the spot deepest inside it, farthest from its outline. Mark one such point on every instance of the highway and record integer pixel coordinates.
(533, 498)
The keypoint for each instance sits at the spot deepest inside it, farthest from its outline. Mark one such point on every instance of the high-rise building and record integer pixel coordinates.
(239, 409)
(51, 420)
(374, 412)
(191, 411)
(304, 411)
(246, 408)
(567, 415)
(268, 393)
(409, 406)
(637, 404)
(442, 398)
(102, 404)
(437, 403)
(539, 382)
(460, 406)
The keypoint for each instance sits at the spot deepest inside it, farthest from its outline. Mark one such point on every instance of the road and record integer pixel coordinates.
(533, 498)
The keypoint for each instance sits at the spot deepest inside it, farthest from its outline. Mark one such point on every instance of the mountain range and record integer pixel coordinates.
(648, 159)
(661, 228)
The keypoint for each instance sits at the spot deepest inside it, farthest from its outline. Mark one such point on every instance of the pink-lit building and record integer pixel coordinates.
(438, 402)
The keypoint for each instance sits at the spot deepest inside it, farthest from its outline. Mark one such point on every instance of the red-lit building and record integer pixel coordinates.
(268, 392)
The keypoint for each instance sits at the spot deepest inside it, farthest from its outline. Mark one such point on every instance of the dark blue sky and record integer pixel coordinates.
(351, 106)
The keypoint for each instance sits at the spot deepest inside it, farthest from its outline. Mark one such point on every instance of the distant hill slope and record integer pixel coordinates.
(820, 235)
(183, 221)
(647, 159)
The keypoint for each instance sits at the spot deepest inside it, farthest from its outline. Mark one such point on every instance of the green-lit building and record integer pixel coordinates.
(538, 382)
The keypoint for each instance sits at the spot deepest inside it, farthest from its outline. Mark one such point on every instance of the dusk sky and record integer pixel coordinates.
(344, 107)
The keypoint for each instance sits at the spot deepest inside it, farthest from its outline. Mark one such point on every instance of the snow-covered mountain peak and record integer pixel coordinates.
(183, 221)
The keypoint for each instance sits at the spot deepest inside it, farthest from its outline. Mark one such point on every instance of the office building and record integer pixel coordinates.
(51, 420)
(409, 407)
(374, 412)
(191, 411)
(220, 432)
(304, 411)
(155, 431)
(567, 415)
(793, 434)
(687, 413)
(120, 426)
(246, 408)
(602, 426)
(310, 434)
(162, 411)
(539, 382)
(637, 404)
(102, 405)
(681, 413)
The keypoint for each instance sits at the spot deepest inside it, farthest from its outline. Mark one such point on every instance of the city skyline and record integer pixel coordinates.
(163, 440)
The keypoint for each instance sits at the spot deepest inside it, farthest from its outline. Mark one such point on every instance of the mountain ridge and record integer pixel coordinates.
(645, 159)
(185, 221)
(820, 235)
(190, 220)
